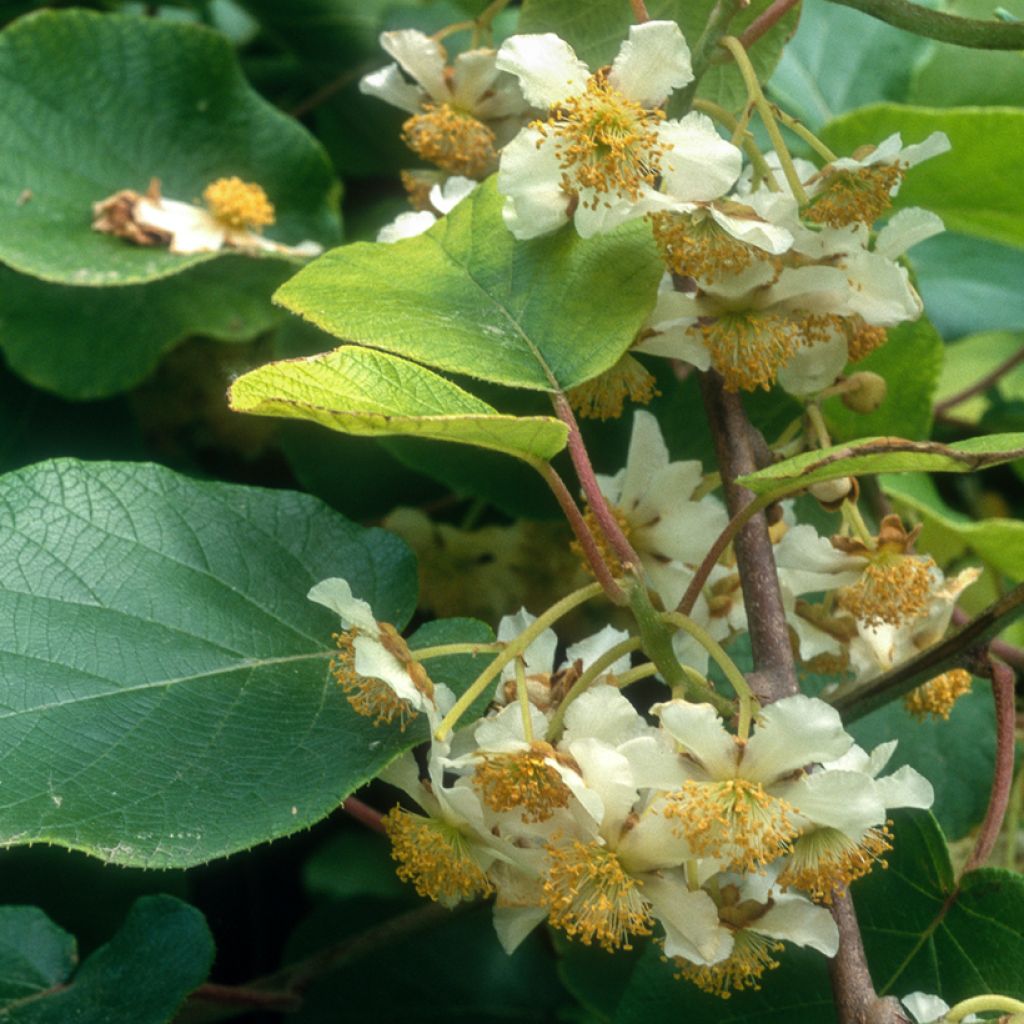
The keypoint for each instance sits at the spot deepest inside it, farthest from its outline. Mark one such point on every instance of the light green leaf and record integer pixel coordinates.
(960, 76)
(159, 100)
(1000, 542)
(973, 358)
(840, 59)
(165, 693)
(466, 297)
(361, 391)
(93, 342)
(924, 932)
(35, 954)
(597, 28)
(160, 954)
(885, 455)
(974, 188)
(909, 362)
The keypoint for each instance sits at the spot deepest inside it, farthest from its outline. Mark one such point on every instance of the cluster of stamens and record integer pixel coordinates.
(892, 589)
(605, 142)
(938, 695)
(825, 860)
(452, 140)
(694, 245)
(522, 780)
(369, 697)
(603, 397)
(859, 195)
(751, 956)
(238, 204)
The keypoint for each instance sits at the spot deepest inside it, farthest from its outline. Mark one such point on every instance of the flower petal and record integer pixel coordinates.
(652, 62)
(795, 919)
(791, 733)
(906, 787)
(407, 225)
(690, 920)
(907, 228)
(390, 85)
(700, 165)
(336, 594)
(604, 714)
(547, 68)
(701, 734)
(421, 57)
(530, 177)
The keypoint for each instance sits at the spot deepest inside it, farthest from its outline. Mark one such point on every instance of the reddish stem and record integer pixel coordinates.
(363, 813)
(1003, 692)
(591, 489)
(981, 385)
(765, 21)
(640, 14)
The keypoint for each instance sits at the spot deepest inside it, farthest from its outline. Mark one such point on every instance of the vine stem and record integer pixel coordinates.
(946, 28)
(1003, 687)
(363, 813)
(766, 21)
(982, 384)
(591, 489)
(640, 14)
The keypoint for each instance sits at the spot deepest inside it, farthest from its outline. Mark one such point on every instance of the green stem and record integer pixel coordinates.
(817, 422)
(657, 640)
(443, 650)
(512, 650)
(524, 700)
(642, 672)
(805, 133)
(609, 657)
(764, 110)
(740, 137)
(981, 1004)
(946, 28)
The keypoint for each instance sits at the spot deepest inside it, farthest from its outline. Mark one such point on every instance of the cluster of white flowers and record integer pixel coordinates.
(567, 805)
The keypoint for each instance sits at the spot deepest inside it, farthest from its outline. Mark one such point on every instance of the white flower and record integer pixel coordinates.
(375, 666)
(443, 199)
(605, 144)
(460, 114)
(929, 1009)
(653, 498)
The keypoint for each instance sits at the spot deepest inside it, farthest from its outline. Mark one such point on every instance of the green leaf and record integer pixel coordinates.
(840, 59)
(93, 342)
(35, 954)
(885, 455)
(909, 362)
(160, 954)
(466, 297)
(361, 391)
(160, 100)
(973, 188)
(973, 358)
(1000, 542)
(165, 694)
(596, 30)
(959, 76)
(955, 756)
(923, 932)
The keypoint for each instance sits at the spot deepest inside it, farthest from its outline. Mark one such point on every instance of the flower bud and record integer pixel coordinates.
(832, 493)
(865, 391)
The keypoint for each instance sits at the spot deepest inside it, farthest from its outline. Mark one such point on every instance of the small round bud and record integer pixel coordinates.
(865, 391)
(831, 493)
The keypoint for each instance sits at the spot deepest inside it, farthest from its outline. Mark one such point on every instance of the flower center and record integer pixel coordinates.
(435, 857)
(591, 897)
(605, 142)
(694, 245)
(238, 204)
(751, 956)
(602, 398)
(522, 779)
(863, 339)
(861, 194)
(938, 695)
(456, 142)
(369, 697)
(826, 859)
(894, 588)
(611, 559)
(733, 820)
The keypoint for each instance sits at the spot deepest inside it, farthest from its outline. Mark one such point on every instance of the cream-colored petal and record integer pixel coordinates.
(647, 455)
(652, 62)
(815, 367)
(907, 228)
(754, 231)
(690, 920)
(406, 225)
(847, 801)
(530, 177)
(701, 734)
(606, 772)
(701, 165)
(191, 228)
(336, 594)
(513, 924)
(602, 713)
(421, 57)
(547, 68)
(795, 919)
(391, 86)
(593, 647)
(906, 787)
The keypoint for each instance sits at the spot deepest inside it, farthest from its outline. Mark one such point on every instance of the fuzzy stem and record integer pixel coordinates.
(740, 137)
(764, 110)
(803, 132)
(588, 675)
(641, 672)
(524, 700)
(766, 21)
(775, 671)
(444, 650)
(982, 384)
(946, 28)
(363, 813)
(1003, 681)
(512, 650)
(639, 9)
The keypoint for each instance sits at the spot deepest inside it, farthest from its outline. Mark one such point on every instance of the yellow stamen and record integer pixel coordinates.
(611, 559)
(602, 398)
(825, 860)
(417, 185)
(694, 245)
(861, 194)
(435, 857)
(238, 204)
(456, 142)
(751, 956)
(893, 589)
(864, 339)
(591, 898)
(938, 695)
(734, 820)
(605, 142)
(369, 697)
(522, 780)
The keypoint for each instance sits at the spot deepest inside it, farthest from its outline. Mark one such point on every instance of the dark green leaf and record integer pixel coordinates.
(35, 955)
